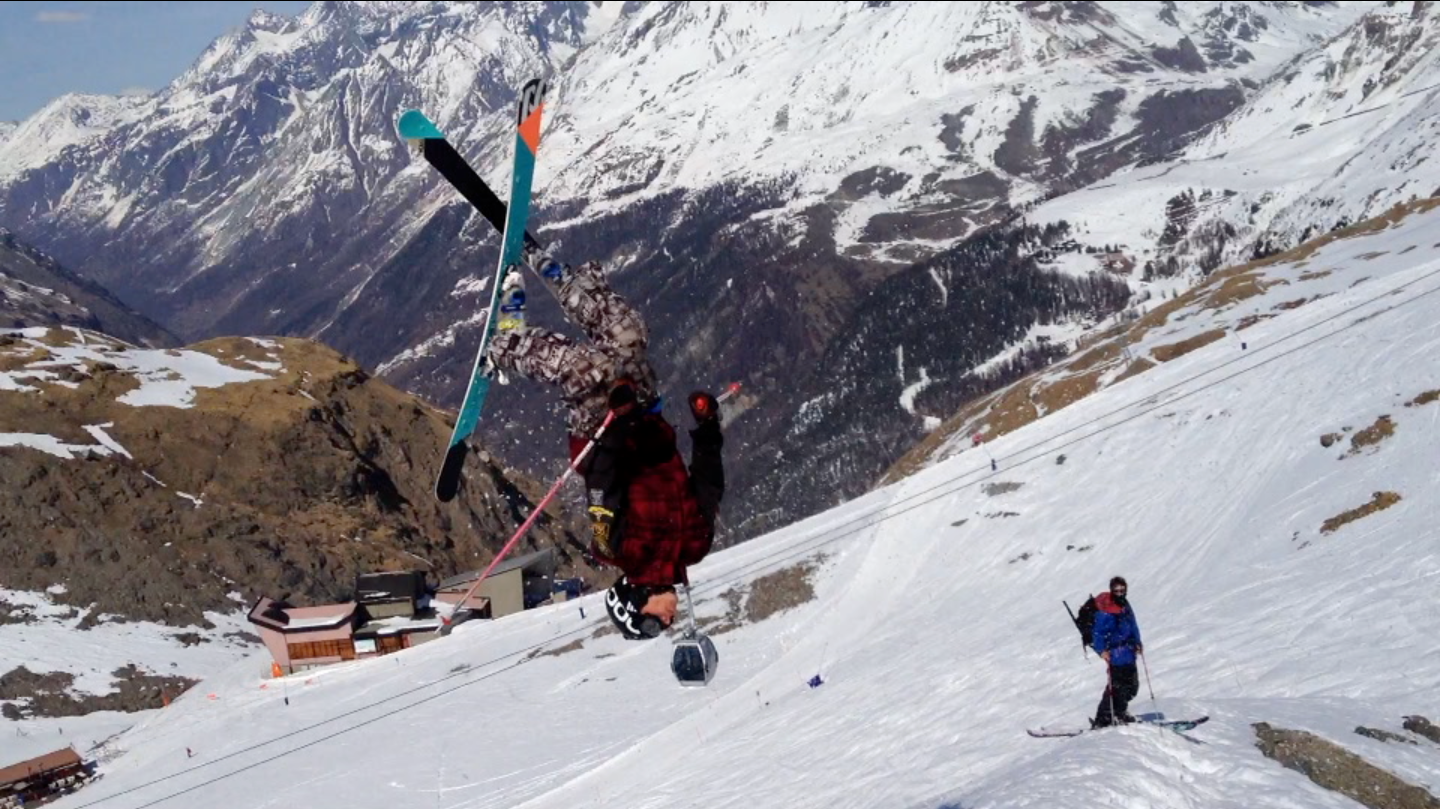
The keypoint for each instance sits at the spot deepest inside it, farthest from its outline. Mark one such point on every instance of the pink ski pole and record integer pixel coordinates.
(534, 515)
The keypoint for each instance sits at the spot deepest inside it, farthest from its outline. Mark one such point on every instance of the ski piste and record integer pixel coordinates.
(1177, 725)
(414, 126)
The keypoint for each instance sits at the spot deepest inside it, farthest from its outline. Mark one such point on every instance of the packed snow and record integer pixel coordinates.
(47, 636)
(936, 626)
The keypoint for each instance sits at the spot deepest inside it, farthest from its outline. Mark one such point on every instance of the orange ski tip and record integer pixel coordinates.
(530, 129)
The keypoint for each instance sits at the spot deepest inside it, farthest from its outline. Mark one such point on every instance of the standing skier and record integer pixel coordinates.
(650, 515)
(1116, 638)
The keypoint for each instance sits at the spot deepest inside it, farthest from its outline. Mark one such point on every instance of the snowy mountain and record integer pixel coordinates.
(1338, 135)
(1270, 504)
(74, 119)
(758, 175)
(36, 291)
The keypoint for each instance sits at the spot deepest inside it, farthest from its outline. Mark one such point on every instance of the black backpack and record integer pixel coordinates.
(1085, 621)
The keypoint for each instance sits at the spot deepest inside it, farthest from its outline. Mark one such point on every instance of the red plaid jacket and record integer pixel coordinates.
(660, 529)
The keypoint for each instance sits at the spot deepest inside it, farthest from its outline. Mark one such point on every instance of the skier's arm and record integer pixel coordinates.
(1100, 633)
(707, 470)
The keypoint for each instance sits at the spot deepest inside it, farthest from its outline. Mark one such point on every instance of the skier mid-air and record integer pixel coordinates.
(650, 516)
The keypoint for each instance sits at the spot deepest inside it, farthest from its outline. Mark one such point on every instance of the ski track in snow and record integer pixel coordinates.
(938, 642)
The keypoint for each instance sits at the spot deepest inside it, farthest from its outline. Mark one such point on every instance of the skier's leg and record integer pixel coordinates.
(581, 372)
(1105, 713)
(610, 321)
(1103, 717)
(1127, 685)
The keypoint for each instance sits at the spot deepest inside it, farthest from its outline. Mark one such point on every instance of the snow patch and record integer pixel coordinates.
(470, 285)
(98, 432)
(51, 445)
(907, 398)
(944, 290)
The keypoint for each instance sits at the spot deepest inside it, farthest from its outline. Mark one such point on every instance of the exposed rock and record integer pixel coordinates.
(288, 485)
(1383, 735)
(1339, 770)
(1422, 726)
(36, 291)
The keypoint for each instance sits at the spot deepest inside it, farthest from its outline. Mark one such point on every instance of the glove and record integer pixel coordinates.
(602, 520)
(704, 408)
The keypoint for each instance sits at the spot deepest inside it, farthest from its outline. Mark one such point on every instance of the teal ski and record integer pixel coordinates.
(414, 126)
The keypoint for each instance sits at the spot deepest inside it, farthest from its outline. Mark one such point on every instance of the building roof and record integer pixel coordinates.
(542, 561)
(282, 617)
(399, 626)
(40, 764)
(405, 585)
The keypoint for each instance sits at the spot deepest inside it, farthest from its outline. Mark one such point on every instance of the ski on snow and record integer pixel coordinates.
(510, 221)
(1177, 725)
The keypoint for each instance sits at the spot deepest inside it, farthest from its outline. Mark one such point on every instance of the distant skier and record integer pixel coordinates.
(1116, 637)
(650, 516)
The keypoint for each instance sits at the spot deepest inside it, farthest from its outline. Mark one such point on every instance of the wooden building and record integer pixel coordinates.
(43, 779)
(390, 613)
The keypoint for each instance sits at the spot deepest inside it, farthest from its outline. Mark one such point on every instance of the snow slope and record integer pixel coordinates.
(55, 639)
(936, 621)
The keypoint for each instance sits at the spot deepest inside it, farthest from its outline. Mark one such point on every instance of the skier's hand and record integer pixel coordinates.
(601, 519)
(1105, 656)
(1140, 648)
(704, 407)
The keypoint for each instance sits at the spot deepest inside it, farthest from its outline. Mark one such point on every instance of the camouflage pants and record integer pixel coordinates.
(582, 372)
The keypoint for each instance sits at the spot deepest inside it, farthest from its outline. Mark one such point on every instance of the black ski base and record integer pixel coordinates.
(448, 484)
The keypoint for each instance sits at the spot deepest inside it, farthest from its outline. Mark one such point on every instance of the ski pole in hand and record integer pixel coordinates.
(1110, 690)
(1146, 663)
(534, 515)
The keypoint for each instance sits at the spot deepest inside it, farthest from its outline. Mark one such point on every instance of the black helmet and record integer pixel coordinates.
(623, 603)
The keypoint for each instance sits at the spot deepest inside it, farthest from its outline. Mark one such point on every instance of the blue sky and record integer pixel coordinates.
(48, 49)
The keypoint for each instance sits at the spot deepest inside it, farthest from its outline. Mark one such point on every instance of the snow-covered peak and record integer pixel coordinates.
(689, 95)
(1380, 61)
(69, 120)
(262, 20)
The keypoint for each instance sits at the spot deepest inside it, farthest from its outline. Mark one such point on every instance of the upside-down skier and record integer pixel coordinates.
(650, 515)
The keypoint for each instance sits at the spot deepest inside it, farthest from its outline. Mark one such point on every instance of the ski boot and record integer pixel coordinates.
(512, 301)
(546, 266)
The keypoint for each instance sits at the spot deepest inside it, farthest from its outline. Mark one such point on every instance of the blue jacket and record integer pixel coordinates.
(1116, 631)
